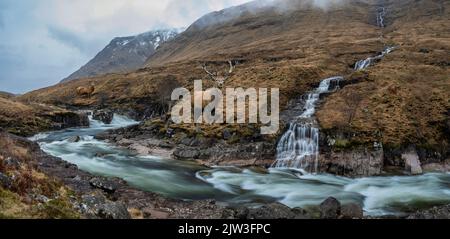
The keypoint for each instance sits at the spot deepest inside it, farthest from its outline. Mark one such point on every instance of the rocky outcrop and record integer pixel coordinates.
(62, 120)
(351, 211)
(442, 212)
(104, 116)
(207, 151)
(357, 162)
(97, 206)
(5, 181)
(269, 211)
(330, 208)
(412, 163)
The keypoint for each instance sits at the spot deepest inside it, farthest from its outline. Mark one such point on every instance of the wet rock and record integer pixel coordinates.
(147, 212)
(104, 116)
(412, 163)
(165, 145)
(103, 184)
(301, 213)
(226, 134)
(437, 167)
(271, 211)
(352, 211)
(69, 119)
(357, 162)
(74, 139)
(113, 210)
(235, 213)
(5, 181)
(442, 212)
(330, 208)
(184, 154)
(100, 155)
(186, 141)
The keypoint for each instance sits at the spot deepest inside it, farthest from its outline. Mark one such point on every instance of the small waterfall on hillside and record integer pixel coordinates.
(363, 64)
(381, 16)
(299, 146)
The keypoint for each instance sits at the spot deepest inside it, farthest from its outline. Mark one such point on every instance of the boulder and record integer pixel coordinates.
(271, 211)
(330, 208)
(103, 184)
(113, 210)
(97, 206)
(412, 163)
(74, 139)
(352, 211)
(5, 181)
(104, 116)
(62, 120)
(226, 134)
(186, 154)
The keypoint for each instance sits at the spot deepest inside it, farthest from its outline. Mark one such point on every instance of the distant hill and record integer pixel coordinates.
(6, 95)
(124, 54)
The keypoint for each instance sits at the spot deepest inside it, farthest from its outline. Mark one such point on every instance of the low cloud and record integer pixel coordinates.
(47, 40)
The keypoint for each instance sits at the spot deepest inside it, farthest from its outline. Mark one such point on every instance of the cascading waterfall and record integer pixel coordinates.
(363, 64)
(380, 17)
(299, 146)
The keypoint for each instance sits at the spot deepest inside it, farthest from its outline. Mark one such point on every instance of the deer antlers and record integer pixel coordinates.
(219, 79)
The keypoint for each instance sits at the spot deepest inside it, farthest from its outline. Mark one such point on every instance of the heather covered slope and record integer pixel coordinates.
(403, 98)
(27, 119)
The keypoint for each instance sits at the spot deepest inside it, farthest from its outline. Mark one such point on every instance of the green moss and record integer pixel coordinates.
(342, 143)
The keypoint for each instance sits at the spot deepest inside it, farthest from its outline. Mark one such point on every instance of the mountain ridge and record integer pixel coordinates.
(124, 54)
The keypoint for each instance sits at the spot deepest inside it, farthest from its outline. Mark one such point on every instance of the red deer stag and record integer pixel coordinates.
(86, 91)
(219, 79)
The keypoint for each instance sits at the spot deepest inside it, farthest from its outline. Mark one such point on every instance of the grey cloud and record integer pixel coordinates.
(67, 38)
(85, 46)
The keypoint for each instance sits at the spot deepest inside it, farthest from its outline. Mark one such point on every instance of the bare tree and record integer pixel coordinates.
(219, 79)
(352, 102)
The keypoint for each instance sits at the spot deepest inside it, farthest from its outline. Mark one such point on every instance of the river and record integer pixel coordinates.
(386, 195)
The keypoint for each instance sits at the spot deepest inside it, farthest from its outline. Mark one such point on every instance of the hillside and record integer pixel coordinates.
(124, 54)
(403, 98)
(6, 95)
(27, 119)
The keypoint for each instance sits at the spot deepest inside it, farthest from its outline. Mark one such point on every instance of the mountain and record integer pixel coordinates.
(124, 54)
(400, 101)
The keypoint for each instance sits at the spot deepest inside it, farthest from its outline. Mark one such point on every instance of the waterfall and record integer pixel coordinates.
(299, 146)
(381, 14)
(363, 64)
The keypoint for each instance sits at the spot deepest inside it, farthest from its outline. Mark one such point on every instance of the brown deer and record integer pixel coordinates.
(219, 79)
(86, 91)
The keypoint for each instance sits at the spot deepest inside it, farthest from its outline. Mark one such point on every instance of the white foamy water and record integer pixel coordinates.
(364, 64)
(299, 145)
(377, 195)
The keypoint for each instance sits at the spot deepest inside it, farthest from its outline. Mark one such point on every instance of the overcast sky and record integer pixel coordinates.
(43, 41)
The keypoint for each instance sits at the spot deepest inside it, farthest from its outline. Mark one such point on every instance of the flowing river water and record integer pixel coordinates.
(244, 186)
